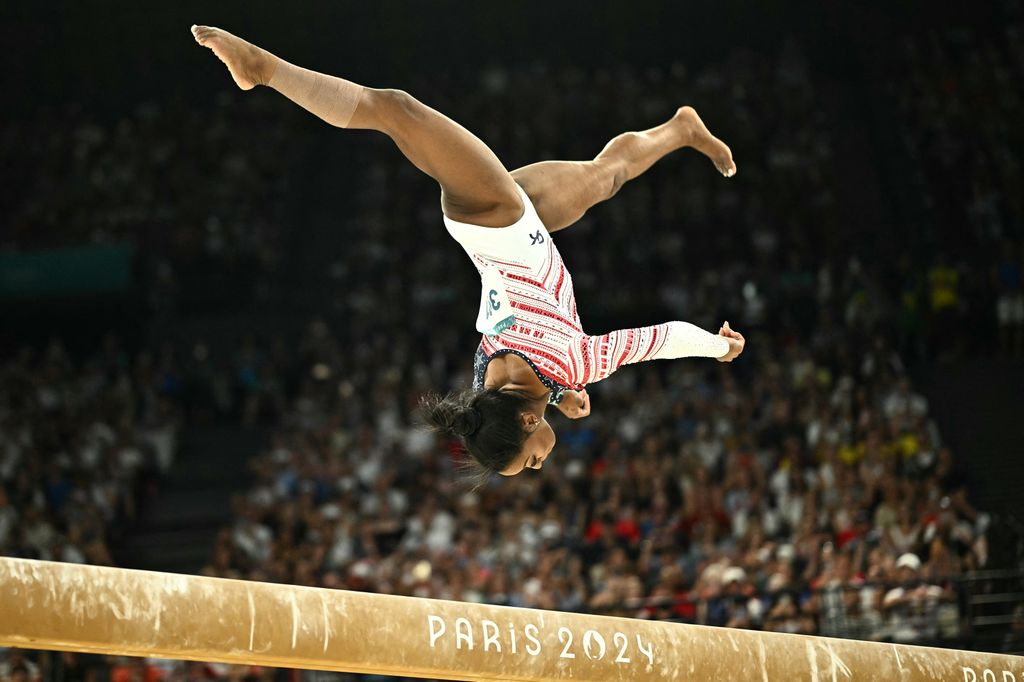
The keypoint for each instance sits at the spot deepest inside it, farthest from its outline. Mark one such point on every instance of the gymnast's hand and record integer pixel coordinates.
(736, 343)
(575, 404)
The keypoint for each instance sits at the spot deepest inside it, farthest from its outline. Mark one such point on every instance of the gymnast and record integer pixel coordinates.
(534, 351)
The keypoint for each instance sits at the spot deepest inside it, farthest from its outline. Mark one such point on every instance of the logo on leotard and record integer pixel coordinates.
(494, 304)
(537, 238)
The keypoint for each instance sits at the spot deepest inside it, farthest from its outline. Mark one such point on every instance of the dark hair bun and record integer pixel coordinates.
(452, 414)
(488, 422)
(467, 421)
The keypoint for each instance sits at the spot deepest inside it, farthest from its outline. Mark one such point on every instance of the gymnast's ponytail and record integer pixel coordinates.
(488, 422)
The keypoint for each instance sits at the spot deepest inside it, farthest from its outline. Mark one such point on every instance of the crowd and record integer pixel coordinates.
(958, 94)
(184, 185)
(80, 445)
(803, 489)
(957, 91)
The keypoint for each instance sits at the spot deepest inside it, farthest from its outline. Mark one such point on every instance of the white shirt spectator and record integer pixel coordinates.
(39, 535)
(914, 619)
(254, 539)
(902, 402)
(709, 448)
(342, 550)
(32, 668)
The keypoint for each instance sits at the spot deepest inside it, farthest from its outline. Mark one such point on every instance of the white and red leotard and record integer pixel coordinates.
(547, 332)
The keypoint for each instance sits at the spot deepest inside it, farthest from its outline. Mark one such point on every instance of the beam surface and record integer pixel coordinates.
(71, 607)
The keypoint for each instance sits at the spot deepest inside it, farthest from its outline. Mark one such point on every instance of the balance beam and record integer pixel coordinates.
(71, 607)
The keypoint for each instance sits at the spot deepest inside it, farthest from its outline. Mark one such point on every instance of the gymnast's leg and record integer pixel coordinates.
(562, 191)
(475, 187)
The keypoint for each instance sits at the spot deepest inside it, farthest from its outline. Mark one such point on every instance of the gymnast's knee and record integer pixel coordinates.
(392, 109)
(613, 175)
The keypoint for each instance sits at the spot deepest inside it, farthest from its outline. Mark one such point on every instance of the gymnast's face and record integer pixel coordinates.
(538, 445)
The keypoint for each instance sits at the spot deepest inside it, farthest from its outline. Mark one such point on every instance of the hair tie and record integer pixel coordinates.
(469, 423)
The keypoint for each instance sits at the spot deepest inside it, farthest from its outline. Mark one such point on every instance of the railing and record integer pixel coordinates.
(995, 610)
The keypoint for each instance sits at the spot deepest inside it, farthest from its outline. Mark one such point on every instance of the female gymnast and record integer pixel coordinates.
(534, 351)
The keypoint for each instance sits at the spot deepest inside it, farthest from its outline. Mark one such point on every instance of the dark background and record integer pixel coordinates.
(108, 55)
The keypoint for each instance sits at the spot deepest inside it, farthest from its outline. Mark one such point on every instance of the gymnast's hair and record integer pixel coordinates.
(486, 421)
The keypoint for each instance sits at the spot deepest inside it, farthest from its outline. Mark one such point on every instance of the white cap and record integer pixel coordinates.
(909, 560)
(733, 574)
(361, 569)
(712, 573)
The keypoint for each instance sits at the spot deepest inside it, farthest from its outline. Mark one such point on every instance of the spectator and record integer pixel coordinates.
(911, 608)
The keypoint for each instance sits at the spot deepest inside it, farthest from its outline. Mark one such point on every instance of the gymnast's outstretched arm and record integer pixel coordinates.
(666, 341)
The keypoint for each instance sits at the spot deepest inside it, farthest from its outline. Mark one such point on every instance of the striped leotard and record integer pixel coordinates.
(547, 332)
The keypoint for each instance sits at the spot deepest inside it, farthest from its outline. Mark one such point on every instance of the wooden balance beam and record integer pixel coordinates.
(70, 607)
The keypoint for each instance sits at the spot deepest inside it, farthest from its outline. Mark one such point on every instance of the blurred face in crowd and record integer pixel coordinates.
(908, 575)
(537, 447)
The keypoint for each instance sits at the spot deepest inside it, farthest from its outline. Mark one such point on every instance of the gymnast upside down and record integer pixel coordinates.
(534, 351)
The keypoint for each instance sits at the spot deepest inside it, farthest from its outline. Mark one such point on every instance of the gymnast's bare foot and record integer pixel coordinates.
(700, 138)
(249, 65)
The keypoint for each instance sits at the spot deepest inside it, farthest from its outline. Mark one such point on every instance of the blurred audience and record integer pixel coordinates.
(957, 90)
(186, 186)
(79, 447)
